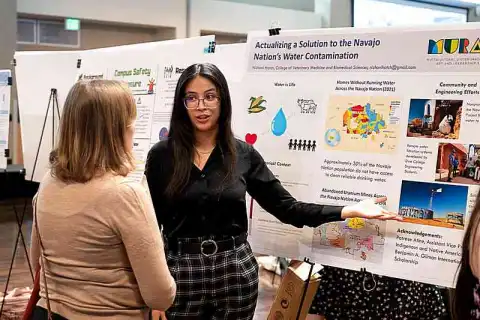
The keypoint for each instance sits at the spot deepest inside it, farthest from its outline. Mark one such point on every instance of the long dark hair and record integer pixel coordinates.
(462, 299)
(181, 137)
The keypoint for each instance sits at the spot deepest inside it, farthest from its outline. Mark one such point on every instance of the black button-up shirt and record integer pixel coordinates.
(208, 208)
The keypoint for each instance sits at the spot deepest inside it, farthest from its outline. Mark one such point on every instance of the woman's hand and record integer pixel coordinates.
(369, 209)
(158, 315)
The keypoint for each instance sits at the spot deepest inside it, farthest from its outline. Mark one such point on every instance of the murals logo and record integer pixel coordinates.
(453, 45)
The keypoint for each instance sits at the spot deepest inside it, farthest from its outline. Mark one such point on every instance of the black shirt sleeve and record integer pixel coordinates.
(267, 190)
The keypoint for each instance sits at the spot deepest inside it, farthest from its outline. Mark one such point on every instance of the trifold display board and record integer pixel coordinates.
(339, 115)
(5, 92)
(348, 114)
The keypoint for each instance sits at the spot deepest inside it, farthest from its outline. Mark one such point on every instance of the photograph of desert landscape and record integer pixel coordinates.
(433, 204)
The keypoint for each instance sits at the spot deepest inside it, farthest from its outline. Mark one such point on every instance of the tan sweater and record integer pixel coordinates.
(104, 251)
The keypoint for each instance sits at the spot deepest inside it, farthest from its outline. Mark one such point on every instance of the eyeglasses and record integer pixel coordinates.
(210, 101)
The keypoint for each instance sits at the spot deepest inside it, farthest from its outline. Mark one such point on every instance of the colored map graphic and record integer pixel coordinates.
(362, 124)
(363, 120)
(356, 239)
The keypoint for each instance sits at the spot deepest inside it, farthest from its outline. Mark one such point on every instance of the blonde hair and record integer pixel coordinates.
(91, 140)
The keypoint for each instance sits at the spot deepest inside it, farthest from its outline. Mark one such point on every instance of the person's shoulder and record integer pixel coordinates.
(246, 150)
(131, 189)
(48, 178)
(117, 189)
(243, 147)
(160, 147)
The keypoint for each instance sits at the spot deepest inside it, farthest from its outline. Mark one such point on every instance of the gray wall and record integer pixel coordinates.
(8, 32)
(304, 5)
(340, 13)
(340, 10)
(8, 42)
(472, 16)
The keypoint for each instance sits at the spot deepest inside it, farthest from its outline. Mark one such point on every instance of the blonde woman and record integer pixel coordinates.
(95, 234)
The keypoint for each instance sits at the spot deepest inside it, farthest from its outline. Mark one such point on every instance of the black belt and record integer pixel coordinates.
(207, 247)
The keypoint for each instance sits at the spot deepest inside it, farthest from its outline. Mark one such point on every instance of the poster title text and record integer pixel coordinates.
(288, 52)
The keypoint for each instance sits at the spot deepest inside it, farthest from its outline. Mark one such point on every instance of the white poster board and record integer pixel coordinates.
(37, 73)
(5, 93)
(352, 114)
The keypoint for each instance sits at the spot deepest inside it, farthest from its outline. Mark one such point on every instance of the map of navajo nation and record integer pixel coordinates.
(362, 120)
(356, 239)
(362, 124)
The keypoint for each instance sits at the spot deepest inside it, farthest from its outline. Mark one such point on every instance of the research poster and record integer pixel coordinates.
(5, 92)
(344, 115)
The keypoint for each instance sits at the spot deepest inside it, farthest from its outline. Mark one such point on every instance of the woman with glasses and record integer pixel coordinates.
(198, 180)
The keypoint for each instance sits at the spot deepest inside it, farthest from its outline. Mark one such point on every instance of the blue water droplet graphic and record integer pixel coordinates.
(279, 123)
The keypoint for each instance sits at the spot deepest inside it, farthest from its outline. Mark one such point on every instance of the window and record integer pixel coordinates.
(26, 31)
(46, 33)
(384, 13)
(54, 33)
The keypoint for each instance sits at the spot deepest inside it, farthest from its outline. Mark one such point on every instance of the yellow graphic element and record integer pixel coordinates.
(256, 105)
(356, 223)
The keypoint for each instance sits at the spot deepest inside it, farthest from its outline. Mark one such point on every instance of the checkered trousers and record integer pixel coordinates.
(223, 286)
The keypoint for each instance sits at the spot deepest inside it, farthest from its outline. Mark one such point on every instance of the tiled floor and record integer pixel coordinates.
(21, 276)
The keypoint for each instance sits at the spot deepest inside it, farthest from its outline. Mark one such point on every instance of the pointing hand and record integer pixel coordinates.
(369, 209)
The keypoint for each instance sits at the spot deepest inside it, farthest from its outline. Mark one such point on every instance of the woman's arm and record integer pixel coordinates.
(34, 241)
(267, 190)
(137, 226)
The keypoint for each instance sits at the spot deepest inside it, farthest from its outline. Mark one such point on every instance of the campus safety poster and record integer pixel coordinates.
(344, 115)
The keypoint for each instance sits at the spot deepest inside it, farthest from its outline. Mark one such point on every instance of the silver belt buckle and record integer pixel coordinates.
(209, 241)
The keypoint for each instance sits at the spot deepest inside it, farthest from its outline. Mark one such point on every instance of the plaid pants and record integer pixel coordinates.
(223, 286)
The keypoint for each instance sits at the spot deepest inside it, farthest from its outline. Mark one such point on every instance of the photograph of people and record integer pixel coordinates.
(198, 180)
(458, 163)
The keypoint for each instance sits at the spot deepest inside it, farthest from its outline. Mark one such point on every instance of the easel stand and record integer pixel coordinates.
(53, 105)
(305, 287)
